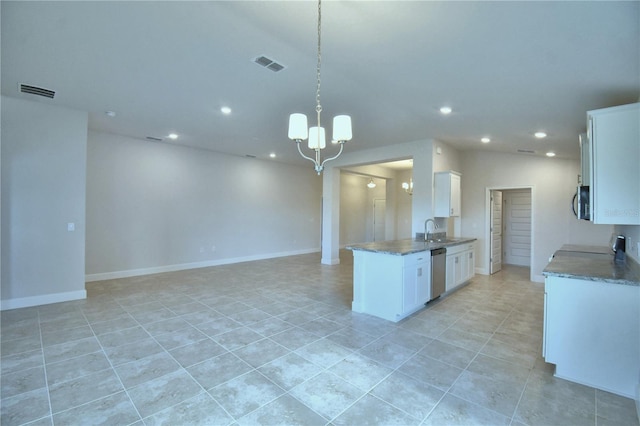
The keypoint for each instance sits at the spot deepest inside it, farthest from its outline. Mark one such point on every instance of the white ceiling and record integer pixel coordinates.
(507, 69)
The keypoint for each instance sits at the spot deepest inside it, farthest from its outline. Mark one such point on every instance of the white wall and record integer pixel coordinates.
(420, 151)
(553, 185)
(354, 203)
(43, 189)
(446, 158)
(403, 206)
(153, 207)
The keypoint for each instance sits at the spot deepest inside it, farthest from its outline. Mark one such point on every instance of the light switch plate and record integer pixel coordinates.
(71, 226)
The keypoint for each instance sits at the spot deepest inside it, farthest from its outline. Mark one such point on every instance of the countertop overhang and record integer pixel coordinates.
(407, 246)
(592, 263)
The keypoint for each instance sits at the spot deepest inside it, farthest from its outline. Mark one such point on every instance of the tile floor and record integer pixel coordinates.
(275, 342)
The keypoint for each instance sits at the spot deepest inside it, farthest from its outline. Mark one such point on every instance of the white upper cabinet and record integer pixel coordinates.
(447, 194)
(614, 134)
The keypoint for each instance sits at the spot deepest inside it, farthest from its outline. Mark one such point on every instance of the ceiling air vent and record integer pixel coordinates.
(263, 61)
(153, 138)
(38, 91)
(526, 151)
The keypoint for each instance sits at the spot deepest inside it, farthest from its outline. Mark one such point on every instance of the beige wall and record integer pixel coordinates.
(553, 184)
(43, 189)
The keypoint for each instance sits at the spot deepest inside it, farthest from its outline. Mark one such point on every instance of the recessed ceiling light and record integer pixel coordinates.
(540, 135)
(485, 140)
(272, 155)
(173, 136)
(551, 154)
(225, 110)
(445, 110)
(110, 113)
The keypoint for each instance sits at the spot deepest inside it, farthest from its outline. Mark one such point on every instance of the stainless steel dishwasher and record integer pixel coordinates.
(438, 272)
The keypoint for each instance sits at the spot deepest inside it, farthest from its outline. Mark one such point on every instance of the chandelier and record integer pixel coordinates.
(298, 130)
(408, 187)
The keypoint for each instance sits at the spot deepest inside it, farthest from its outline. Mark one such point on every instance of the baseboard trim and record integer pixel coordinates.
(481, 271)
(45, 299)
(195, 265)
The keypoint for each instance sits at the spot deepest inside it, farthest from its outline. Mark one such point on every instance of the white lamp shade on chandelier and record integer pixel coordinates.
(298, 130)
(317, 140)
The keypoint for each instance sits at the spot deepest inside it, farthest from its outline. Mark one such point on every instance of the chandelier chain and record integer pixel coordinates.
(318, 106)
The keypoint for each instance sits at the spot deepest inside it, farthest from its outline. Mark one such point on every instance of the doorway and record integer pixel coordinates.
(509, 227)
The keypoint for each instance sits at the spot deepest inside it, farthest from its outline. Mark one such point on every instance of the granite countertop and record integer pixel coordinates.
(408, 246)
(592, 263)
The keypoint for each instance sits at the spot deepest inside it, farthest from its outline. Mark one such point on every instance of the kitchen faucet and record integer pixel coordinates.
(426, 224)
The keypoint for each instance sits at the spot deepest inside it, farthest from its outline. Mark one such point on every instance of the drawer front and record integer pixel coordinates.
(415, 258)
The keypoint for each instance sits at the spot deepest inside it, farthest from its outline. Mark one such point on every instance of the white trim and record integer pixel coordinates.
(481, 271)
(44, 299)
(183, 266)
(487, 222)
(330, 261)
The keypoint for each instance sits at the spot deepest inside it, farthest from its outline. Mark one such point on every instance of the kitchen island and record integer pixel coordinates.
(392, 279)
(592, 319)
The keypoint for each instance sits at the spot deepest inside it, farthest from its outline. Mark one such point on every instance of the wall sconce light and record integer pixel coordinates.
(408, 187)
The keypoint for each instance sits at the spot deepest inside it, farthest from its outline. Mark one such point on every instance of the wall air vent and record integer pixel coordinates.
(34, 90)
(526, 151)
(153, 138)
(263, 61)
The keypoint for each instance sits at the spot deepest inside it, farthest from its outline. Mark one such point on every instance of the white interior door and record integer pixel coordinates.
(379, 218)
(517, 227)
(496, 231)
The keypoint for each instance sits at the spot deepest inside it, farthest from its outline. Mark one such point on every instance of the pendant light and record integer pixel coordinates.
(298, 130)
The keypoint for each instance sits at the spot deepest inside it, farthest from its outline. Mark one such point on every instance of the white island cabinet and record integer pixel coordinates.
(390, 286)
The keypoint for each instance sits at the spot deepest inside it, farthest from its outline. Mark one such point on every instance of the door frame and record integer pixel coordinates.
(487, 224)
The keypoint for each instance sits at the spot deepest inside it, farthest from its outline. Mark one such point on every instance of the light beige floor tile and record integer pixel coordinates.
(154, 396)
(285, 410)
(327, 394)
(73, 368)
(455, 411)
(24, 408)
(245, 393)
(214, 371)
(290, 370)
(387, 353)
(360, 371)
(22, 381)
(431, 371)
(372, 411)
(412, 396)
(84, 389)
(198, 410)
(111, 410)
(197, 352)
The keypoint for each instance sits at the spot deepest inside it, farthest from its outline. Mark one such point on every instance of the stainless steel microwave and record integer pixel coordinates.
(580, 203)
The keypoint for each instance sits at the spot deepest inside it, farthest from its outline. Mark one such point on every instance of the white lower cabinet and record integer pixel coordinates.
(390, 286)
(460, 265)
(592, 333)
